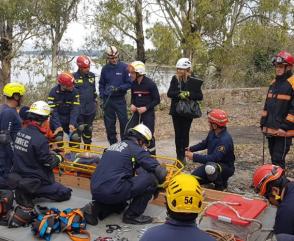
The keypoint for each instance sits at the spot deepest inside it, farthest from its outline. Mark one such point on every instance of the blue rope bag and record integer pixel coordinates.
(46, 224)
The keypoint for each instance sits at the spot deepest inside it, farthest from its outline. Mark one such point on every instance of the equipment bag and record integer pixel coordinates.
(46, 224)
(20, 217)
(72, 222)
(6, 201)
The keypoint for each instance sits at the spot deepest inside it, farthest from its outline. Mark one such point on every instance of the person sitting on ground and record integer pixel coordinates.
(219, 161)
(184, 201)
(270, 182)
(114, 181)
(33, 161)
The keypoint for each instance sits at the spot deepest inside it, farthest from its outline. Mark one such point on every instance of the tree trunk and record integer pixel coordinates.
(139, 31)
(6, 29)
(54, 56)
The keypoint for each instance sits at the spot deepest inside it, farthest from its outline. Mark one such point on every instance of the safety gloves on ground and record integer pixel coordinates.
(184, 95)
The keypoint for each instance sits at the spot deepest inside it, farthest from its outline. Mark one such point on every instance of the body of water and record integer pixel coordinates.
(29, 69)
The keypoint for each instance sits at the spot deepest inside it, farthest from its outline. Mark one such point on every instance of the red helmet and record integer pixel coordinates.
(265, 174)
(218, 117)
(283, 57)
(83, 62)
(66, 79)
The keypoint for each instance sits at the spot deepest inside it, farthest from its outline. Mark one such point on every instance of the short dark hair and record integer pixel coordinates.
(183, 217)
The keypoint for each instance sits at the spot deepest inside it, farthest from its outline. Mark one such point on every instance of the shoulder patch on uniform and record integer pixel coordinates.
(221, 148)
(291, 81)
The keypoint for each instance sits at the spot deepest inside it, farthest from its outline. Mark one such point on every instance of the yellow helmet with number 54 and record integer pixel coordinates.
(184, 194)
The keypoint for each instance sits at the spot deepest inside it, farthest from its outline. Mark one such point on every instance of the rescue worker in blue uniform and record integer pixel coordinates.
(114, 181)
(144, 98)
(33, 161)
(10, 124)
(65, 103)
(86, 85)
(113, 85)
(184, 201)
(219, 161)
(277, 121)
(270, 182)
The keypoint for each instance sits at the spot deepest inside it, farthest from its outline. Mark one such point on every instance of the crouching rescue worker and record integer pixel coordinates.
(33, 161)
(10, 124)
(114, 181)
(184, 201)
(64, 100)
(219, 161)
(144, 98)
(270, 182)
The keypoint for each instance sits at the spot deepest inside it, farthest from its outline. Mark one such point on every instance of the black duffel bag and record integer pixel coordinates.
(188, 108)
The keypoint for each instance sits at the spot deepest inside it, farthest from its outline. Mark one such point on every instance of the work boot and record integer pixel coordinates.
(142, 219)
(24, 199)
(90, 214)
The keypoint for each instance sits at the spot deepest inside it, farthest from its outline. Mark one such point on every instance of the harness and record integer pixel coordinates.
(71, 221)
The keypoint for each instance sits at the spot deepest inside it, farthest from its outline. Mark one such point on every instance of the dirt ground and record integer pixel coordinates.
(244, 127)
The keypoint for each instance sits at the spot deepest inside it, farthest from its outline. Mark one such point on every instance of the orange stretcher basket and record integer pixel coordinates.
(68, 167)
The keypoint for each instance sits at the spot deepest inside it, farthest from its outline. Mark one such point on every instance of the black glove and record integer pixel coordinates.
(160, 173)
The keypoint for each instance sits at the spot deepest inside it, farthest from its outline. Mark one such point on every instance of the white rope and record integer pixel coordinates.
(229, 205)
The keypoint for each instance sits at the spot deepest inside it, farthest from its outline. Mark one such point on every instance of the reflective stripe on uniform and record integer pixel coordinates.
(279, 96)
(290, 118)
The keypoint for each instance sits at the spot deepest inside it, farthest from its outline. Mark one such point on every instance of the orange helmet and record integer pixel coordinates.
(283, 57)
(218, 117)
(66, 79)
(83, 62)
(265, 174)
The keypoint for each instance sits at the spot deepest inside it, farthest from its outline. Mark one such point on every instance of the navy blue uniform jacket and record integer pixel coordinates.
(174, 231)
(86, 85)
(284, 222)
(10, 122)
(220, 149)
(115, 75)
(116, 167)
(65, 105)
(145, 94)
(32, 155)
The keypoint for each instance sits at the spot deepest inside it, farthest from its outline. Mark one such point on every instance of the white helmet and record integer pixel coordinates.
(138, 67)
(143, 131)
(111, 51)
(40, 108)
(183, 63)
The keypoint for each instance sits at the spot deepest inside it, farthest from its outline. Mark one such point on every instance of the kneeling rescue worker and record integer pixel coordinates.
(114, 181)
(33, 161)
(184, 201)
(219, 161)
(270, 182)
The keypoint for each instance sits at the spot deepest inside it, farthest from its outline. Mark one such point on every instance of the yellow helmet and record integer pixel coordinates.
(13, 88)
(184, 194)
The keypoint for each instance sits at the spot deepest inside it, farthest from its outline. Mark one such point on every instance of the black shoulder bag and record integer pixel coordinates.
(188, 108)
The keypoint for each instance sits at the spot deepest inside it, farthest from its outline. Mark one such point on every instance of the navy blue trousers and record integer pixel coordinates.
(115, 107)
(139, 189)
